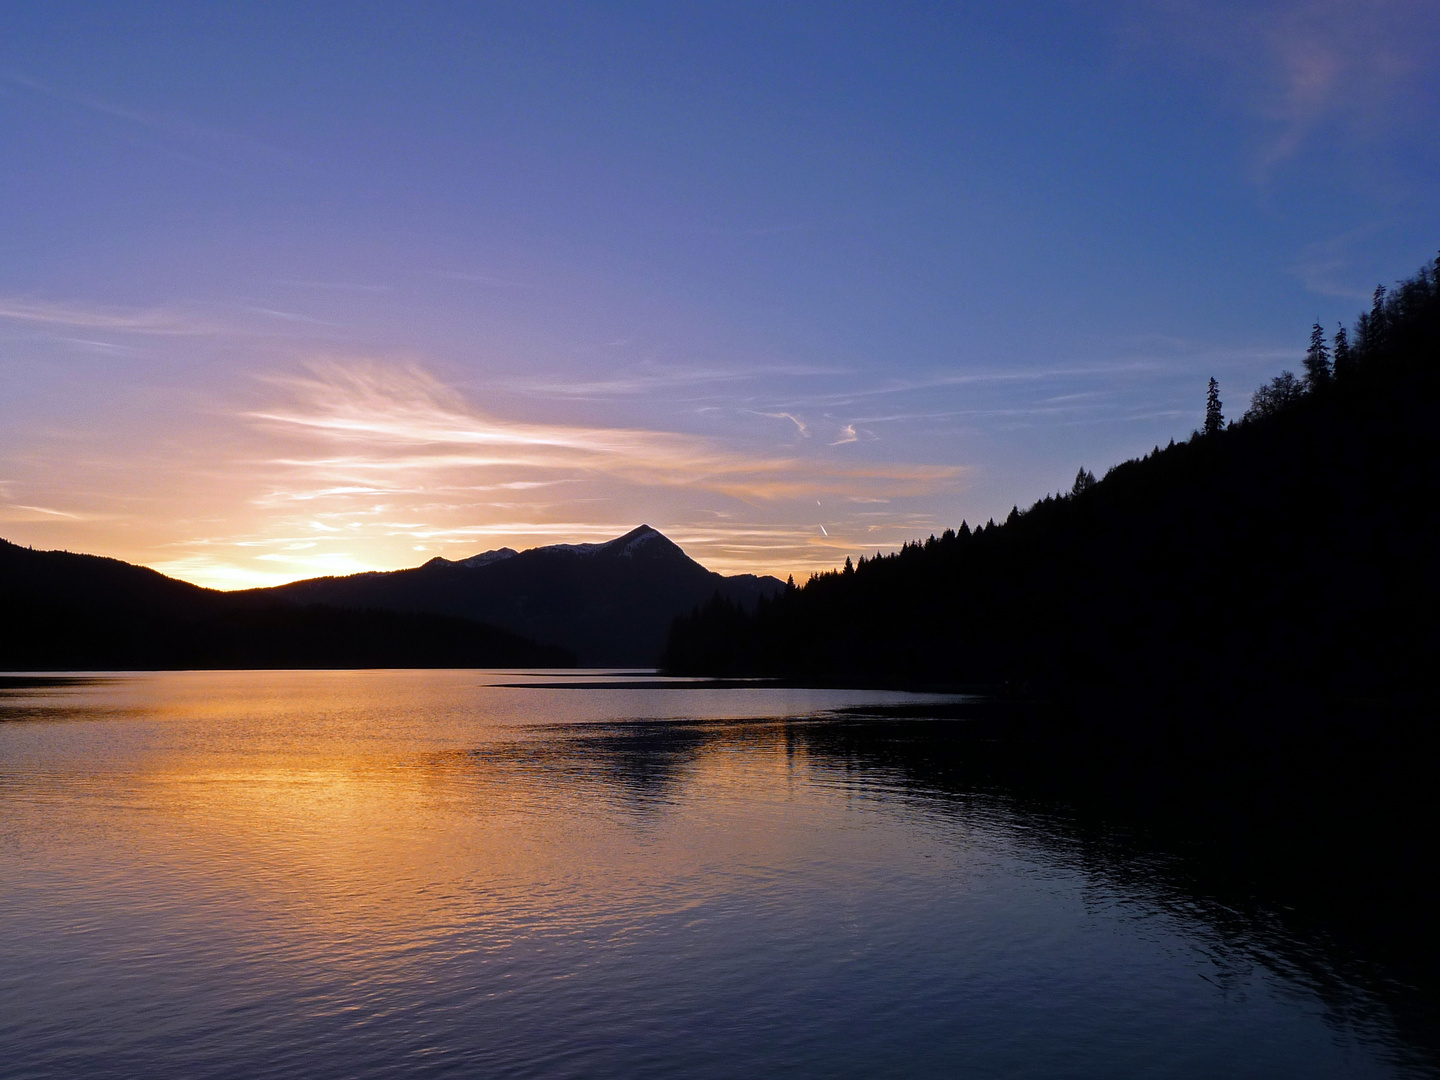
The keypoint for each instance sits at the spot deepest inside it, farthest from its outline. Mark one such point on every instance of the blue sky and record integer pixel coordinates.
(291, 289)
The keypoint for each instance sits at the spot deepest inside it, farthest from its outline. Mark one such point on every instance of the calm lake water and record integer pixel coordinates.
(357, 874)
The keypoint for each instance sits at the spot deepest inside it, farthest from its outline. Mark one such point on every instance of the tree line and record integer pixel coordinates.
(1291, 548)
(1398, 325)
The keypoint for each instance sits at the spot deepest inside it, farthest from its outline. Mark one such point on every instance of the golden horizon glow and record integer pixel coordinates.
(345, 466)
(262, 320)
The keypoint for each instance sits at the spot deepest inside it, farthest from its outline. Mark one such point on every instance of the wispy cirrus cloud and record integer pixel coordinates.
(290, 316)
(802, 429)
(1349, 68)
(236, 321)
(858, 391)
(24, 512)
(651, 378)
(168, 322)
(625, 384)
(374, 420)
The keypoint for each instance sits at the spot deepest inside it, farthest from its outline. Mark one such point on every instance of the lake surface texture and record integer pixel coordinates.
(357, 874)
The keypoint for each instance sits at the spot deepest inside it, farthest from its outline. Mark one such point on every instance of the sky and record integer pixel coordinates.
(301, 289)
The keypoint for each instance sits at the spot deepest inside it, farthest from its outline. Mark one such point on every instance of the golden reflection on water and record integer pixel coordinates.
(369, 812)
(357, 873)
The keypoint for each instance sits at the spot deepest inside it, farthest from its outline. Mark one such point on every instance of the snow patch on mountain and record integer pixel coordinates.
(633, 542)
(488, 557)
(474, 562)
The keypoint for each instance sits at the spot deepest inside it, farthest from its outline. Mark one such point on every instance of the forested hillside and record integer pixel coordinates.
(65, 611)
(1293, 548)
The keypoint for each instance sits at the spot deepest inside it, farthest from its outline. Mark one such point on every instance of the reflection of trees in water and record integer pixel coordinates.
(1344, 914)
(645, 762)
(1342, 922)
(642, 762)
(33, 697)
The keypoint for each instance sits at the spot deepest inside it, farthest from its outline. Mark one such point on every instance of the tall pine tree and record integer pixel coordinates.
(1317, 360)
(1344, 359)
(1214, 419)
(1377, 338)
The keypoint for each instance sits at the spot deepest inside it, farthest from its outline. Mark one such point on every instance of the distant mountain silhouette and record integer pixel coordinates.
(1294, 551)
(63, 611)
(610, 603)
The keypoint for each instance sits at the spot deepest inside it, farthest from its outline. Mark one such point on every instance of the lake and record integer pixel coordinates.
(479, 873)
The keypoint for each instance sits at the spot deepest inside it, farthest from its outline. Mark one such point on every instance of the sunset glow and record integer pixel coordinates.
(262, 321)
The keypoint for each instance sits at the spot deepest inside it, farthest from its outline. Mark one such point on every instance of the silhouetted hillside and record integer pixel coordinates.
(1294, 549)
(611, 603)
(62, 611)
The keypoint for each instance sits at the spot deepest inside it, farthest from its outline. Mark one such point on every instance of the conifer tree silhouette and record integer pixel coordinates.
(1317, 359)
(1178, 550)
(1344, 362)
(1378, 335)
(1214, 419)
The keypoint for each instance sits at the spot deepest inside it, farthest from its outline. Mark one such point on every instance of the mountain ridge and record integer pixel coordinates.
(608, 603)
(611, 602)
(69, 611)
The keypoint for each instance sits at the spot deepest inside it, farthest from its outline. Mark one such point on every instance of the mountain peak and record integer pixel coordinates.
(642, 540)
(638, 538)
(645, 542)
(611, 602)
